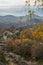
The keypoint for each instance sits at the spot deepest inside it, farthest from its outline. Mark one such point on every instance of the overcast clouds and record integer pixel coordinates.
(9, 3)
(13, 7)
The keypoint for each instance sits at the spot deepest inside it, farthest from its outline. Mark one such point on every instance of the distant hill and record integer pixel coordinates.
(10, 20)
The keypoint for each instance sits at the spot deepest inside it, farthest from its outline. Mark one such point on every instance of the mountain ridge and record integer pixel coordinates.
(9, 20)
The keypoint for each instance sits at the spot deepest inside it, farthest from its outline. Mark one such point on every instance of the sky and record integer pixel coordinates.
(11, 3)
(13, 7)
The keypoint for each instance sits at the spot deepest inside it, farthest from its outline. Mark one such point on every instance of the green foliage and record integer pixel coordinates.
(2, 57)
(30, 12)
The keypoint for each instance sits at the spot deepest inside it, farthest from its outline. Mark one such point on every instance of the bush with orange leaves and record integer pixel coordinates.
(35, 33)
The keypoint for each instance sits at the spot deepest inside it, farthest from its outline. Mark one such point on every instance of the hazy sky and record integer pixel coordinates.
(8, 7)
(9, 3)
